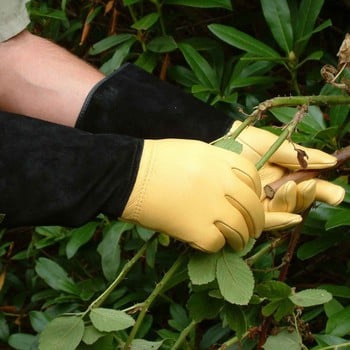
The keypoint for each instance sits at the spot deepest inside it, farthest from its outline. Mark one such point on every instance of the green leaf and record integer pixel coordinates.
(39, 320)
(285, 339)
(62, 333)
(140, 344)
(242, 41)
(120, 53)
(91, 335)
(131, 2)
(202, 267)
(310, 297)
(226, 4)
(304, 23)
(340, 218)
(109, 42)
(339, 323)
(337, 291)
(23, 341)
(230, 144)
(109, 248)
(277, 16)
(165, 43)
(273, 290)
(315, 56)
(309, 249)
(202, 307)
(332, 307)
(4, 328)
(328, 339)
(270, 308)
(146, 22)
(338, 114)
(235, 279)
(200, 66)
(179, 316)
(147, 61)
(236, 319)
(240, 82)
(55, 276)
(79, 236)
(108, 320)
(312, 122)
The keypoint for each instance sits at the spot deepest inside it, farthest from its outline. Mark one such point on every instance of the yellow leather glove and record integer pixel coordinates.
(197, 193)
(290, 197)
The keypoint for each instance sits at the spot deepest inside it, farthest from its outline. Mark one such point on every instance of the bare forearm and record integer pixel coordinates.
(42, 80)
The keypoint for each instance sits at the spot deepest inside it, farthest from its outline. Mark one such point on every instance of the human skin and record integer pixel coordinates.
(40, 79)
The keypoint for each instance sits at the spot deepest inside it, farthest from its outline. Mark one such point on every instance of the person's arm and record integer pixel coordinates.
(41, 79)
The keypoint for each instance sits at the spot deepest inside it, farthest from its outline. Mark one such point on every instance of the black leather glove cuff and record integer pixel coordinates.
(136, 103)
(56, 175)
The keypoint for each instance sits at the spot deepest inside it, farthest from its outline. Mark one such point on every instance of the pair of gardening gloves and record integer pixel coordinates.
(140, 152)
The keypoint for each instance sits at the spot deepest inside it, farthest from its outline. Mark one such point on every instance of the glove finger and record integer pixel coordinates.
(234, 228)
(270, 173)
(280, 220)
(248, 204)
(284, 200)
(329, 193)
(210, 243)
(243, 168)
(258, 141)
(306, 193)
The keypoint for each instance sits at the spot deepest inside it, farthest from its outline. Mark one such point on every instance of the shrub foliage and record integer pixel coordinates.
(112, 285)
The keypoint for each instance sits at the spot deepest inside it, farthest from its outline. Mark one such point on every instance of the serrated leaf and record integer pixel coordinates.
(202, 307)
(287, 340)
(80, 236)
(141, 344)
(108, 320)
(273, 290)
(54, 275)
(310, 297)
(235, 279)
(91, 335)
(62, 333)
(202, 267)
(278, 17)
(230, 144)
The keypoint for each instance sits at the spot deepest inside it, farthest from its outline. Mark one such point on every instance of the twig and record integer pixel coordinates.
(156, 291)
(342, 156)
(288, 130)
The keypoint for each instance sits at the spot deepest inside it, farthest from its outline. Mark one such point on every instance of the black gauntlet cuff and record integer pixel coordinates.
(136, 103)
(56, 175)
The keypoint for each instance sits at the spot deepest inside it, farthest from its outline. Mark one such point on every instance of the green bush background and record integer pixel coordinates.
(232, 55)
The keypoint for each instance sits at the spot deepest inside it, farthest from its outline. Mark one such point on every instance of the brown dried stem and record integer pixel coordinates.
(342, 156)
